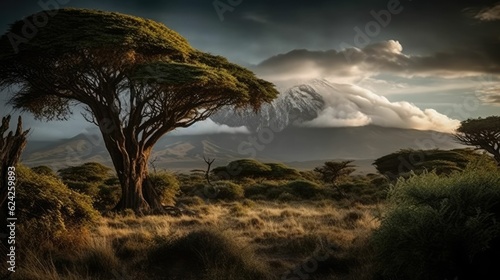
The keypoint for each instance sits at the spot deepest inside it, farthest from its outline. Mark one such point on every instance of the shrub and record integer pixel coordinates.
(250, 168)
(50, 208)
(242, 168)
(280, 171)
(228, 190)
(442, 227)
(443, 162)
(166, 186)
(88, 188)
(304, 189)
(87, 172)
(44, 170)
(205, 255)
(107, 196)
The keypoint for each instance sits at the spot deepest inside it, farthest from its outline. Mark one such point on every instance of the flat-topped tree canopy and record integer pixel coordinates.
(136, 78)
(76, 42)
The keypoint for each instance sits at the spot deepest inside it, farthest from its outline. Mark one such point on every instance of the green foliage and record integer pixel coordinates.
(166, 186)
(303, 189)
(288, 190)
(44, 170)
(93, 179)
(481, 133)
(332, 171)
(87, 172)
(227, 190)
(49, 208)
(206, 255)
(250, 168)
(441, 227)
(408, 160)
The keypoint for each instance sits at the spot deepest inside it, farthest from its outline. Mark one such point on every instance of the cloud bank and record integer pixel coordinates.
(350, 105)
(377, 58)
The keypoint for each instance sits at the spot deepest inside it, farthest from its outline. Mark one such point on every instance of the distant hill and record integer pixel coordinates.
(300, 147)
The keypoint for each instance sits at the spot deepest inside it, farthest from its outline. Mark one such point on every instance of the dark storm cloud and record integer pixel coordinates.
(378, 58)
(250, 31)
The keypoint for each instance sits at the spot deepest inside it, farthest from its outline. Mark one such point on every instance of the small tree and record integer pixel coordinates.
(481, 133)
(332, 171)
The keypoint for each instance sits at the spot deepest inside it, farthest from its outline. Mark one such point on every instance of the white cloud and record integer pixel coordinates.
(209, 127)
(350, 105)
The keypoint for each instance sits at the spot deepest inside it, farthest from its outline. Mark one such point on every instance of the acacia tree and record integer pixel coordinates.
(481, 133)
(332, 171)
(136, 79)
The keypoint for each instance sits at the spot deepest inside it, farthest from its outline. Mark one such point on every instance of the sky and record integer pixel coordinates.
(442, 56)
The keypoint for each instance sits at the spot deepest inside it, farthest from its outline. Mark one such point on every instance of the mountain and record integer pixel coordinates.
(303, 147)
(286, 130)
(298, 102)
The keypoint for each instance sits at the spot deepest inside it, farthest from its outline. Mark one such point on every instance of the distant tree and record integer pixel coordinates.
(481, 133)
(332, 171)
(136, 79)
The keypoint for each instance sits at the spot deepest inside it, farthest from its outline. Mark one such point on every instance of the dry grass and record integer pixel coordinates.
(322, 239)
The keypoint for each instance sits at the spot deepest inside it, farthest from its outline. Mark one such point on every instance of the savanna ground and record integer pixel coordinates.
(426, 226)
(262, 229)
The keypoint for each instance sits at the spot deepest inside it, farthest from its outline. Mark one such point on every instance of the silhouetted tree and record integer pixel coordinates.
(481, 133)
(332, 171)
(11, 147)
(136, 79)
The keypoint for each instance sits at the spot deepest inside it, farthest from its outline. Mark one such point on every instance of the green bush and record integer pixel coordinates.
(87, 172)
(227, 190)
(166, 186)
(403, 162)
(49, 208)
(280, 171)
(44, 170)
(88, 188)
(107, 196)
(250, 168)
(442, 227)
(205, 255)
(303, 189)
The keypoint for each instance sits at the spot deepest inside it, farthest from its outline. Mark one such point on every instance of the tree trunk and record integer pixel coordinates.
(131, 164)
(11, 148)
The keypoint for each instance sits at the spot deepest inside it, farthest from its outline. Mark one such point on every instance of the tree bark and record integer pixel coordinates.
(131, 164)
(11, 148)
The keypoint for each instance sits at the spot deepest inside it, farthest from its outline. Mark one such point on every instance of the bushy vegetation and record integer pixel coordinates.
(227, 190)
(406, 161)
(166, 186)
(442, 227)
(50, 209)
(206, 255)
(94, 180)
(250, 168)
